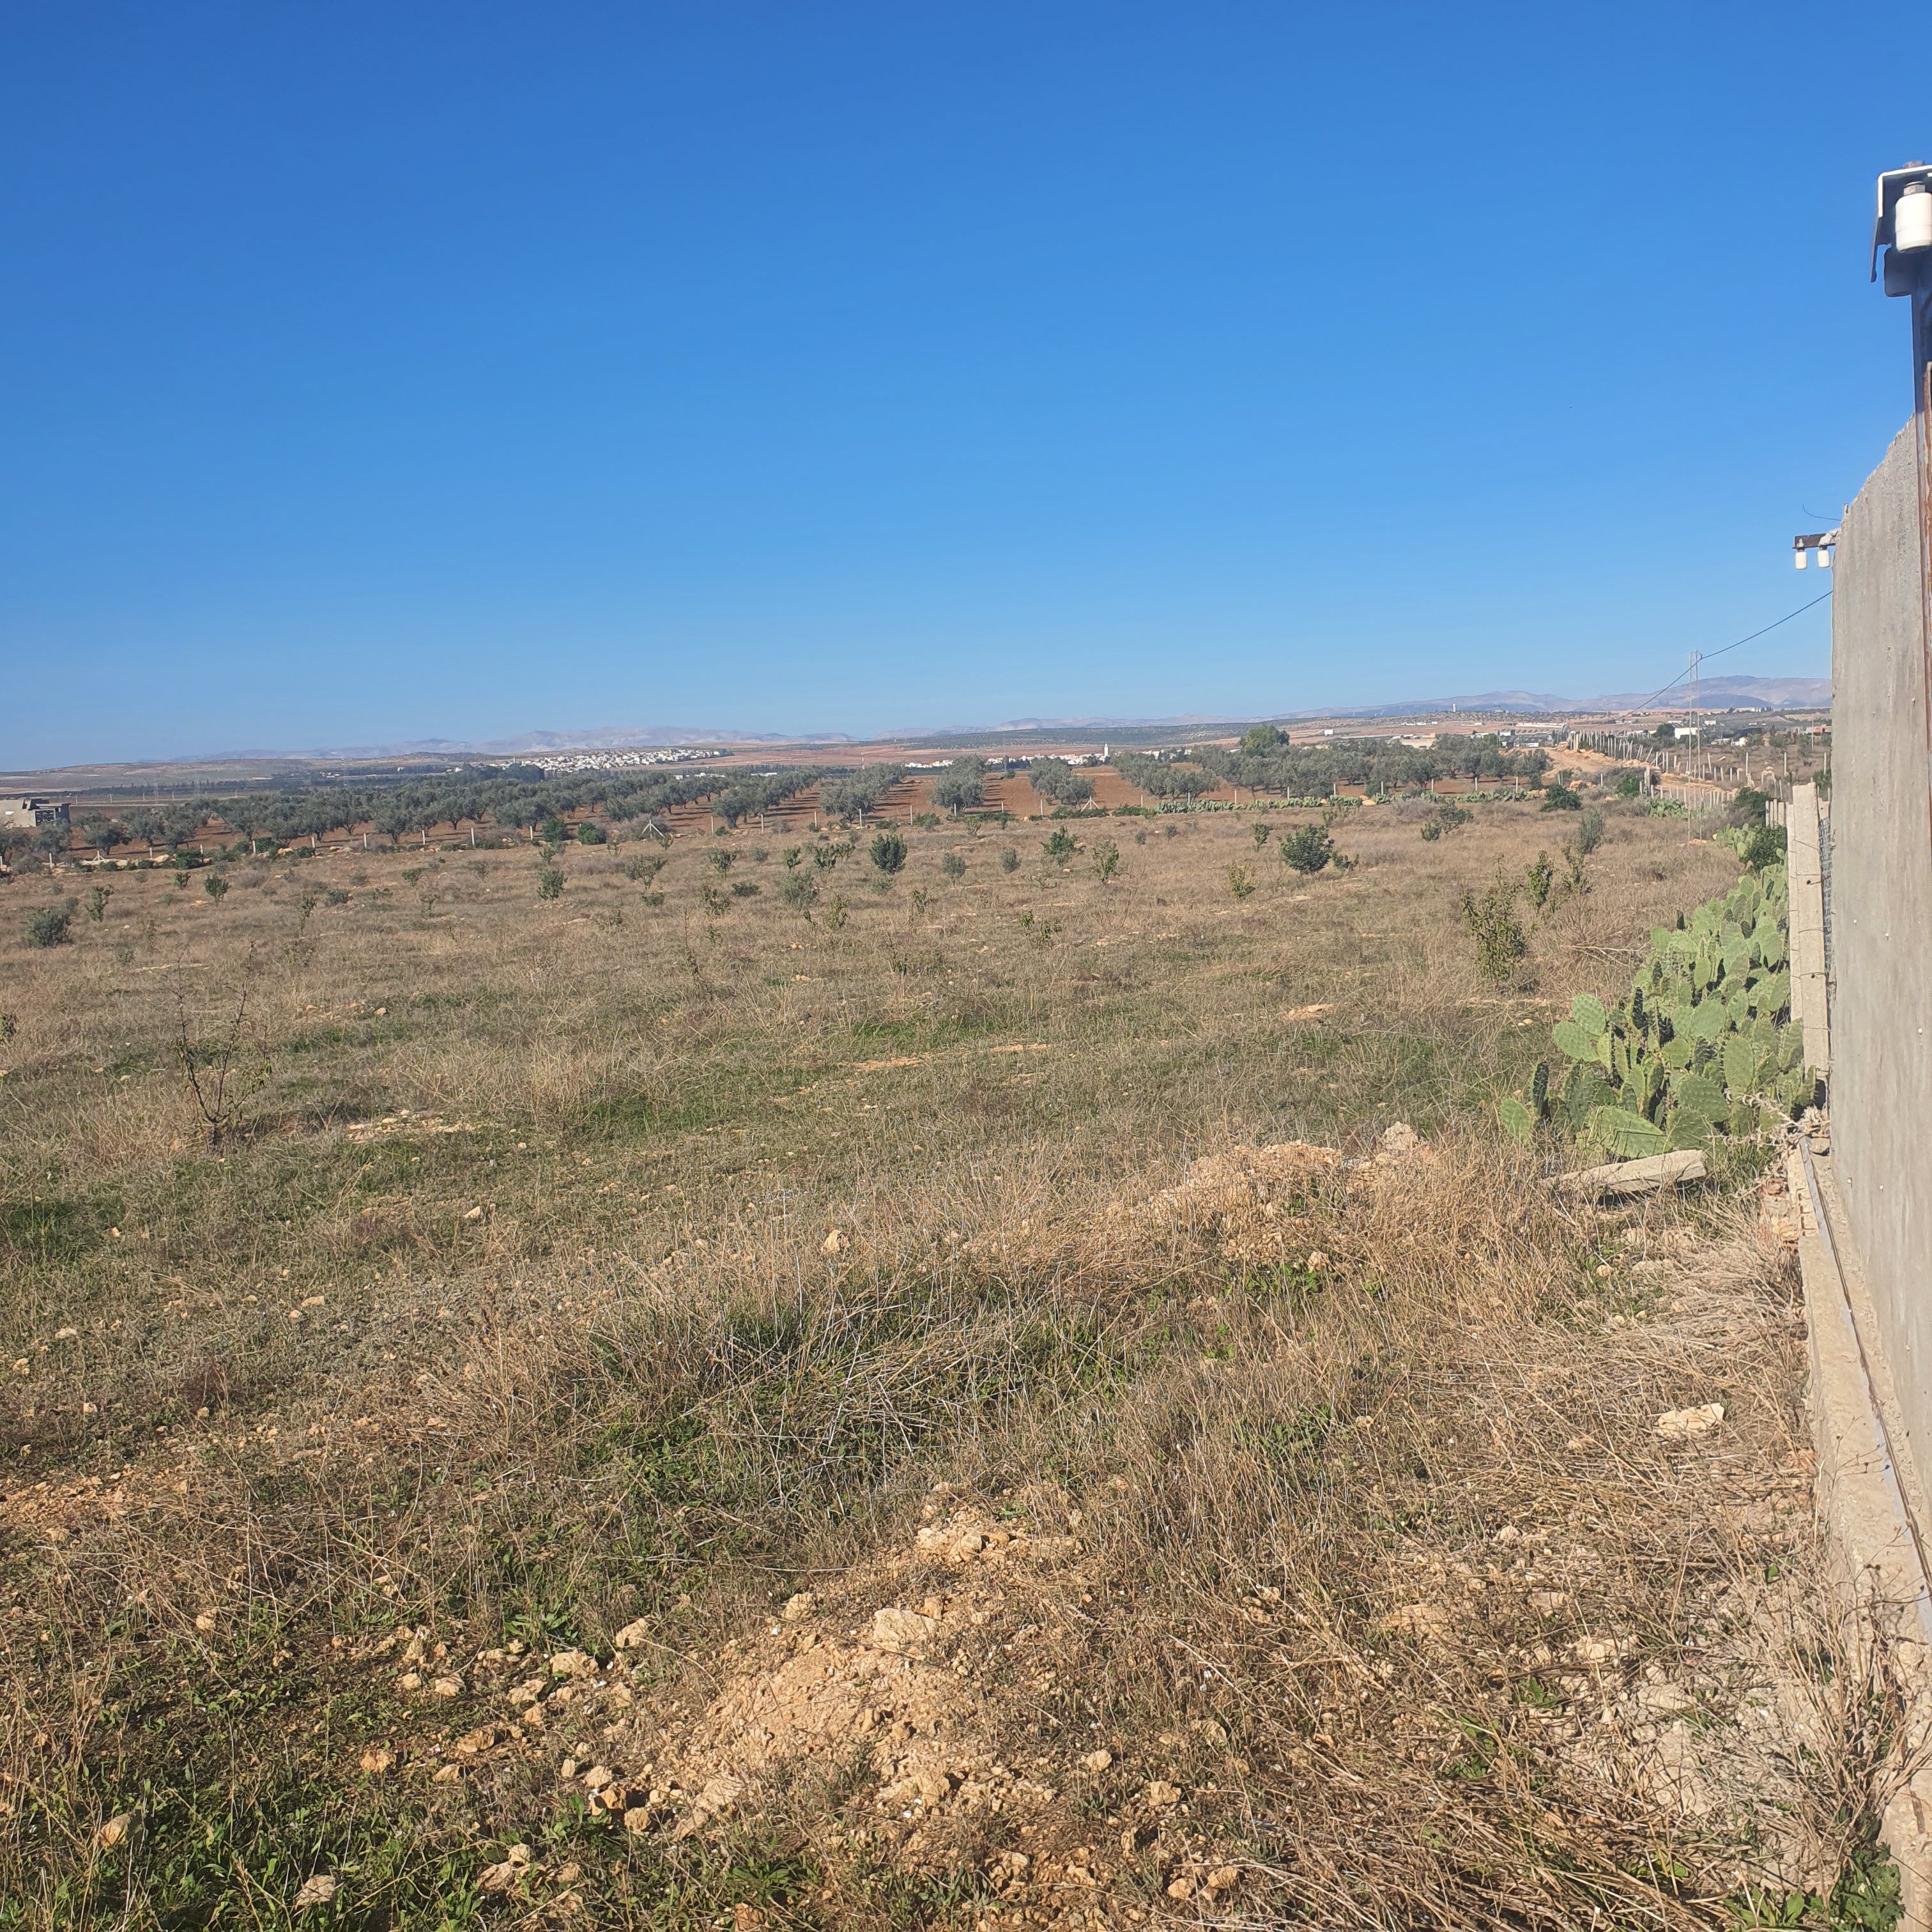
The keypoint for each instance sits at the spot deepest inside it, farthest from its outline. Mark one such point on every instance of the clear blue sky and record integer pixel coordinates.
(386, 372)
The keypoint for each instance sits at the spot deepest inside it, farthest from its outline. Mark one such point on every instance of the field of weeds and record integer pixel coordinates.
(760, 1394)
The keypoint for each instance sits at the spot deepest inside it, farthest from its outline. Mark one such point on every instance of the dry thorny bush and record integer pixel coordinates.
(1298, 1539)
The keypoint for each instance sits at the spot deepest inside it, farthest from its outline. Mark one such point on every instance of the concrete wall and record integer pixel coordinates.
(1880, 828)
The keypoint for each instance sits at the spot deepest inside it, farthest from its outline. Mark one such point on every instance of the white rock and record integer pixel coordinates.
(798, 1608)
(319, 1890)
(1675, 1425)
(1098, 1761)
(1160, 1792)
(633, 1637)
(901, 1630)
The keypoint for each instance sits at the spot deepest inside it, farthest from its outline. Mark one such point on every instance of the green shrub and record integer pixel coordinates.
(1590, 831)
(1306, 850)
(1445, 818)
(1009, 859)
(97, 903)
(643, 867)
(926, 821)
(1061, 845)
(550, 882)
(1764, 846)
(745, 889)
(1558, 797)
(888, 852)
(721, 858)
(1261, 834)
(1240, 882)
(1500, 944)
(1630, 784)
(552, 831)
(588, 834)
(953, 866)
(335, 896)
(790, 856)
(796, 892)
(214, 885)
(1538, 877)
(1106, 860)
(49, 925)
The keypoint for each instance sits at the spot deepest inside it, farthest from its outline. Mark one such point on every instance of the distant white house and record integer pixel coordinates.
(29, 814)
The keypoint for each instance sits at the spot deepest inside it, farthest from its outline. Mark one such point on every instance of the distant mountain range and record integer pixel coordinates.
(1715, 693)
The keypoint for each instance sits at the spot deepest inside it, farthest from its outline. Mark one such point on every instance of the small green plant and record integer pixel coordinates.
(225, 1067)
(181, 880)
(953, 867)
(214, 885)
(1492, 922)
(744, 888)
(550, 882)
(835, 913)
(1060, 845)
(1763, 846)
(1106, 860)
(1041, 932)
(1539, 878)
(1445, 819)
(97, 903)
(759, 855)
(8, 1027)
(1665, 808)
(1241, 881)
(721, 858)
(1009, 859)
(552, 831)
(411, 874)
(887, 852)
(1629, 785)
(588, 834)
(790, 857)
(335, 896)
(50, 925)
(926, 821)
(921, 899)
(717, 901)
(1589, 831)
(1307, 849)
(796, 892)
(643, 867)
(1557, 796)
(1261, 835)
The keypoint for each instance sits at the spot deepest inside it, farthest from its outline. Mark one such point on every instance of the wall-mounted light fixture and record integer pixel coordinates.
(1903, 228)
(1819, 544)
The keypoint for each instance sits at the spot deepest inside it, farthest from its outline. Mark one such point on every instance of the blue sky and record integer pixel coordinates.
(381, 373)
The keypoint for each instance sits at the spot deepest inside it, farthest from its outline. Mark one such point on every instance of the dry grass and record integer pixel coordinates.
(1331, 1468)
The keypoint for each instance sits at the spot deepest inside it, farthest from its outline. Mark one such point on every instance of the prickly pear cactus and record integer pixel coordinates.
(1702, 1045)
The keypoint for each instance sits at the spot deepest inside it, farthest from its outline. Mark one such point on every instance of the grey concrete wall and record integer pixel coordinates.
(1881, 909)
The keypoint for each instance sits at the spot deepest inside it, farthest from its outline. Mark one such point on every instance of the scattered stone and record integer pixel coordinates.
(634, 1636)
(410, 1680)
(447, 1774)
(123, 1828)
(1160, 1793)
(375, 1760)
(798, 1608)
(319, 1890)
(1596, 1649)
(573, 1663)
(897, 1629)
(447, 1686)
(597, 1777)
(205, 1621)
(1098, 1761)
(1675, 1425)
(1397, 1143)
(1223, 1878)
(833, 1246)
(1181, 1887)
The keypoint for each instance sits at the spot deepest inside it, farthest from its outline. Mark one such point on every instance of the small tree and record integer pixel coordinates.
(226, 1068)
(953, 866)
(1009, 859)
(214, 885)
(1307, 849)
(1106, 860)
(97, 902)
(1500, 945)
(550, 882)
(1061, 846)
(589, 834)
(1557, 796)
(888, 852)
(1629, 785)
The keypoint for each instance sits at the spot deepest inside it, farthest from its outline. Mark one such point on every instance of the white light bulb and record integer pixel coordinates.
(1799, 556)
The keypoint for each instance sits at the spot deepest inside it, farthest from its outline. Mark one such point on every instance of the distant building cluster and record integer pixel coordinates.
(615, 761)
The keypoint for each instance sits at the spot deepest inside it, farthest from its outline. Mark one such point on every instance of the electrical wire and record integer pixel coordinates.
(1705, 657)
